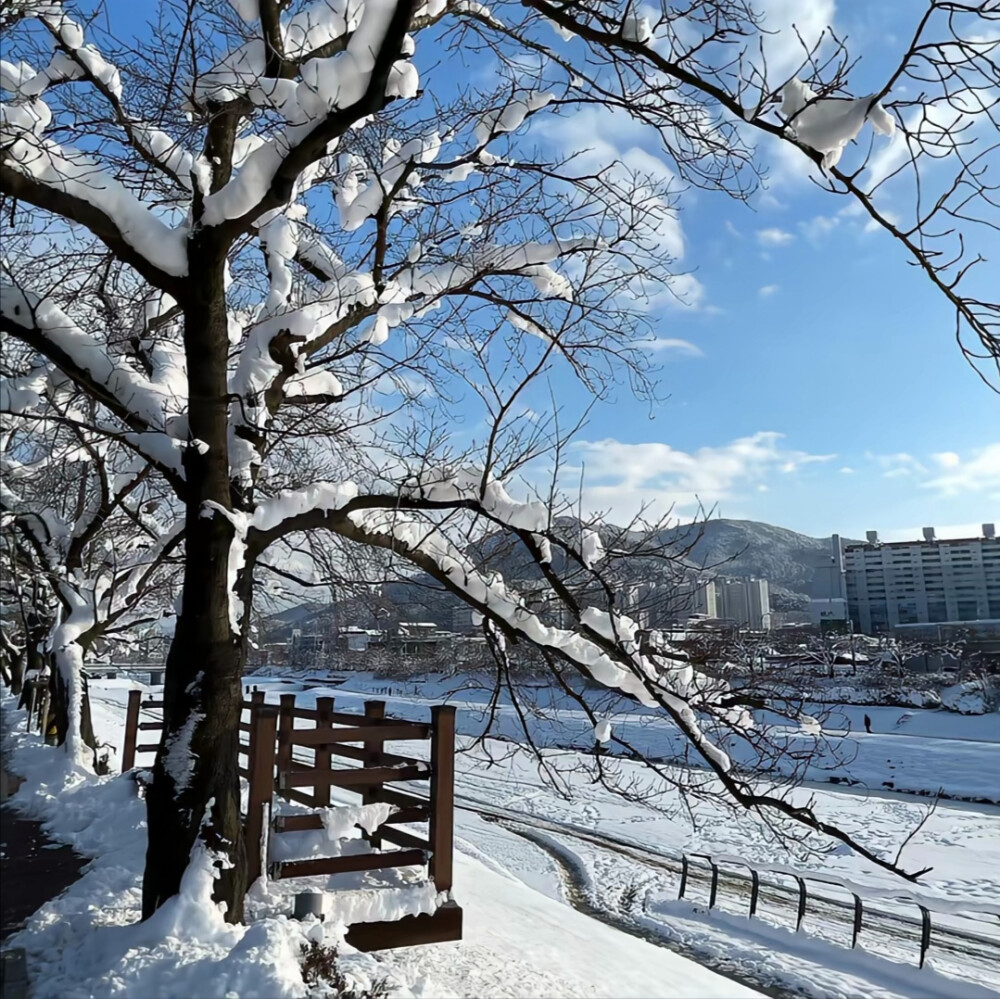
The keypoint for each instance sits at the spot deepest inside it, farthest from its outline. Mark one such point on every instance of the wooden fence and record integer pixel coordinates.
(296, 762)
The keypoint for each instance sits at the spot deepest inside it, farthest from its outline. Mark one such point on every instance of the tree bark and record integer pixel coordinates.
(195, 790)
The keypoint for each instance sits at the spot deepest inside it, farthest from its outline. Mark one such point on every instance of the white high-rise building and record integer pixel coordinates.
(744, 601)
(922, 582)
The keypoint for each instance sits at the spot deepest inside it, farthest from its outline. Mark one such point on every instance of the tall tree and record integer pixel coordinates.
(269, 251)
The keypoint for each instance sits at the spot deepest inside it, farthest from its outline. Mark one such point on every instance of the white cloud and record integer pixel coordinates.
(597, 139)
(977, 473)
(847, 470)
(668, 345)
(767, 290)
(896, 465)
(819, 226)
(774, 237)
(784, 22)
(623, 478)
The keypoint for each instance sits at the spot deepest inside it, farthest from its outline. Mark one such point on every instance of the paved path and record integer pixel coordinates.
(33, 870)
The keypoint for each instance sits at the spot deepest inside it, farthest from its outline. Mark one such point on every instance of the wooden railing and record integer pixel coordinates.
(290, 753)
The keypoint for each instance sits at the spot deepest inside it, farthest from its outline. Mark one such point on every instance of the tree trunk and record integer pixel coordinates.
(195, 790)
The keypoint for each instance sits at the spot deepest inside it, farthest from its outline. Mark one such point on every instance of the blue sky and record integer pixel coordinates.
(820, 387)
(813, 381)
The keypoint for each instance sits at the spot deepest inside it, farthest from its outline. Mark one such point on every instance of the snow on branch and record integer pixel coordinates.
(828, 124)
(72, 185)
(333, 94)
(40, 323)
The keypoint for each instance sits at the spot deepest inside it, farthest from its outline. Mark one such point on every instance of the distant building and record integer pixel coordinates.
(746, 602)
(830, 613)
(420, 637)
(705, 599)
(896, 584)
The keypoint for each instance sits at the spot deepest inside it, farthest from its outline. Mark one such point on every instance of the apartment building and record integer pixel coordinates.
(922, 582)
(745, 601)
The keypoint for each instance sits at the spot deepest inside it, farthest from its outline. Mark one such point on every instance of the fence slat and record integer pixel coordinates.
(373, 734)
(442, 795)
(344, 865)
(304, 823)
(286, 722)
(399, 837)
(359, 777)
(131, 730)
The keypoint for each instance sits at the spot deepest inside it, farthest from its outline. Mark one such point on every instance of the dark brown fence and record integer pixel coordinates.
(291, 752)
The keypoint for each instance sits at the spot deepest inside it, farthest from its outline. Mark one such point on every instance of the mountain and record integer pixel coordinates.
(795, 565)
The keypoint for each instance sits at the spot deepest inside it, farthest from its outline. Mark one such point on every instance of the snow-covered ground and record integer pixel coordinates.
(514, 879)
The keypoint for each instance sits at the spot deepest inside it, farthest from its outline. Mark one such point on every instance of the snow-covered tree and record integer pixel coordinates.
(81, 515)
(269, 249)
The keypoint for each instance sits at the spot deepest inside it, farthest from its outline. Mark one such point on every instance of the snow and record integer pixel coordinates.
(14, 75)
(828, 124)
(637, 29)
(339, 821)
(323, 496)
(591, 548)
(602, 731)
(511, 116)
(517, 942)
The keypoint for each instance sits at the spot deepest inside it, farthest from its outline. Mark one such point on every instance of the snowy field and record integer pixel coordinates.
(910, 750)
(531, 863)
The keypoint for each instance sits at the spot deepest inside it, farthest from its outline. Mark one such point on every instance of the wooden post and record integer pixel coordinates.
(442, 825)
(286, 722)
(374, 712)
(263, 727)
(255, 701)
(43, 713)
(131, 730)
(323, 755)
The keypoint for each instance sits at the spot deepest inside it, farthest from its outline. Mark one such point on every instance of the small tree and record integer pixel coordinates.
(80, 513)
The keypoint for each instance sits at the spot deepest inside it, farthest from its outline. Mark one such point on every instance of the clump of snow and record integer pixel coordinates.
(828, 124)
(339, 821)
(602, 731)
(809, 725)
(591, 548)
(637, 29)
(511, 116)
(968, 698)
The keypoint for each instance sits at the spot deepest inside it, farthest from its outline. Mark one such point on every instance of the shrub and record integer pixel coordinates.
(320, 967)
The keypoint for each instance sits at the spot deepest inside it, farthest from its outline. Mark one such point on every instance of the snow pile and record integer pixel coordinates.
(340, 820)
(970, 698)
(89, 942)
(828, 124)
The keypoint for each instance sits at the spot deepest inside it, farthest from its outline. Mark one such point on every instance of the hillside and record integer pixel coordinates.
(796, 566)
(791, 562)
